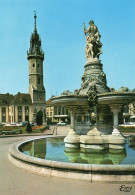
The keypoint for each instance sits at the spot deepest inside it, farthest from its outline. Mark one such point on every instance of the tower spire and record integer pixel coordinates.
(35, 43)
(35, 16)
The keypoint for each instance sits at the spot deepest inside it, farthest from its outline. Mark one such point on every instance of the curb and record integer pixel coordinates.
(23, 135)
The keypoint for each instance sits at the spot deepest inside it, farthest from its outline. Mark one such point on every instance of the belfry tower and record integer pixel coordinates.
(35, 56)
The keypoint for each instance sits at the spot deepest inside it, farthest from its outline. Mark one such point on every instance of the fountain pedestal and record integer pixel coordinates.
(72, 140)
(115, 109)
(116, 140)
(94, 141)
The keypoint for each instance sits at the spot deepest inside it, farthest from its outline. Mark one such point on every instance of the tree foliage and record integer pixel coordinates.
(28, 127)
(39, 118)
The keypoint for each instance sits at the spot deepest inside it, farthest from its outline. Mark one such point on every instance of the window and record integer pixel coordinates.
(26, 110)
(59, 110)
(66, 111)
(19, 118)
(3, 114)
(33, 65)
(26, 113)
(19, 108)
(24, 100)
(63, 110)
(86, 118)
(38, 80)
(3, 110)
(78, 119)
(50, 113)
(19, 113)
(3, 118)
(38, 65)
(4, 101)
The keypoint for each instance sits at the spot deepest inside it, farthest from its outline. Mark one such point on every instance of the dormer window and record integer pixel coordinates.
(3, 101)
(24, 100)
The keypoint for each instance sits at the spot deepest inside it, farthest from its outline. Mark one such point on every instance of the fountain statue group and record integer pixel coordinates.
(95, 109)
(93, 44)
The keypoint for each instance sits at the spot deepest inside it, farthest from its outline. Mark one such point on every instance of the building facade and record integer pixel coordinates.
(25, 107)
(55, 114)
(129, 113)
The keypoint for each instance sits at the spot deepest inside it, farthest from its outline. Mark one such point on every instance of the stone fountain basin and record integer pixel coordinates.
(90, 172)
(116, 98)
(103, 98)
(71, 100)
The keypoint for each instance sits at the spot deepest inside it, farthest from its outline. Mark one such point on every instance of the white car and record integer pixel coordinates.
(19, 124)
(7, 125)
(10, 124)
(61, 123)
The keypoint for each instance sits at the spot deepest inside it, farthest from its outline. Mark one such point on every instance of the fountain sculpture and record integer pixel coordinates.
(95, 109)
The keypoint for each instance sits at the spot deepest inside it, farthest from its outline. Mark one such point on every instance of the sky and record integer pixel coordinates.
(60, 25)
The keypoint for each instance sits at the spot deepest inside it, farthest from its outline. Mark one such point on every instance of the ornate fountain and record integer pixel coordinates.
(95, 109)
(95, 112)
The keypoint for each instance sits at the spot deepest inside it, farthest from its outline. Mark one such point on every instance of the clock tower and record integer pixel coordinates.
(35, 56)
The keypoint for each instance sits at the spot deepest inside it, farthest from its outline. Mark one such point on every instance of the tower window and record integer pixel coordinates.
(38, 80)
(38, 65)
(33, 65)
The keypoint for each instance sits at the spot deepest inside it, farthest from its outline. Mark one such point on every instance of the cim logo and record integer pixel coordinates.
(125, 188)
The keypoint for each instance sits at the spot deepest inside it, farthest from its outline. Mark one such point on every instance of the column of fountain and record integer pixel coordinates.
(116, 140)
(72, 140)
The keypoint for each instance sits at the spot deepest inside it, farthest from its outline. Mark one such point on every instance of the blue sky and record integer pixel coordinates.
(60, 25)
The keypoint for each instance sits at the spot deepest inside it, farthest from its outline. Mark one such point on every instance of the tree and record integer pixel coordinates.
(39, 118)
(28, 127)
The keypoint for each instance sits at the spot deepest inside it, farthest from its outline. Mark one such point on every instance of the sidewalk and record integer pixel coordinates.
(53, 130)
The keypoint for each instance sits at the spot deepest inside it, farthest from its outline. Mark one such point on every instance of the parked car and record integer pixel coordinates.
(24, 123)
(31, 123)
(19, 124)
(61, 123)
(13, 124)
(7, 125)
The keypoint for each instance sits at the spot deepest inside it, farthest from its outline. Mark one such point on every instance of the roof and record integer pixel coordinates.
(21, 98)
(49, 102)
(5, 99)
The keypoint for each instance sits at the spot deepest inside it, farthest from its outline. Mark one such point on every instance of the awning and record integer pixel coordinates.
(60, 116)
(132, 116)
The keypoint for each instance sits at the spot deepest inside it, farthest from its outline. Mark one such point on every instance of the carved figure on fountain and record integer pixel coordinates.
(93, 44)
(88, 80)
(123, 89)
